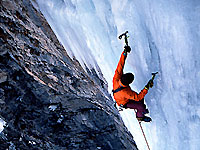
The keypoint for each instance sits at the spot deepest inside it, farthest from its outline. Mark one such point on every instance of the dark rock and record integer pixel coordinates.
(3, 77)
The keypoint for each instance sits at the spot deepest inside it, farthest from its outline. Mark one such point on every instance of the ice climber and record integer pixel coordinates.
(123, 94)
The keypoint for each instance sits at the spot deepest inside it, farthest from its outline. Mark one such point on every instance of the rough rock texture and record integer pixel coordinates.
(46, 99)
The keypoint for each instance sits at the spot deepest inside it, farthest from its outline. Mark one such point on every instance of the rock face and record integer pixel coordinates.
(47, 100)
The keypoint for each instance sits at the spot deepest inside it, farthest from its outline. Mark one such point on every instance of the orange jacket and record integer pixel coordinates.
(123, 96)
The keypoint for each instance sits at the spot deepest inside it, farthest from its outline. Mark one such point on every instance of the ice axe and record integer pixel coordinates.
(152, 78)
(153, 75)
(125, 37)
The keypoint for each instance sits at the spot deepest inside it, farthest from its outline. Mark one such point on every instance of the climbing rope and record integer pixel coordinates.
(144, 135)
(143, 132)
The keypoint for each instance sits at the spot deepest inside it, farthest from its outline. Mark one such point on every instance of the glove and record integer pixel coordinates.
(149, 84)
(127, 49)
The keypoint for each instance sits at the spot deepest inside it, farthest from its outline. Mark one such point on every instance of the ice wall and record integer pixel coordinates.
(164, 36)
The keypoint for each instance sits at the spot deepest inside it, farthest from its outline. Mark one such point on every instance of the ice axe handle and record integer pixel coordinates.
(153, 75)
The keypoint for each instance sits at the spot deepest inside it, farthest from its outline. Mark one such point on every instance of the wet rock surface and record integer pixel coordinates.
(46, 99)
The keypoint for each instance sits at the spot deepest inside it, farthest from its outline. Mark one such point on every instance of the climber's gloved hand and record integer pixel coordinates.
(149, 84)
(127, 49)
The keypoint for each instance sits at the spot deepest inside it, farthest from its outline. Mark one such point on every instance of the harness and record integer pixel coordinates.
(118, 89)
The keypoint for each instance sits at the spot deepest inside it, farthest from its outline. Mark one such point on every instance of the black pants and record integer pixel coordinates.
(139, 105)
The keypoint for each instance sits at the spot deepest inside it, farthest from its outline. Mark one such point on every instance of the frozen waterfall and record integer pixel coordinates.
(164, 37)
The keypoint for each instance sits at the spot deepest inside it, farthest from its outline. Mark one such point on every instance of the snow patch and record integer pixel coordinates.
(2, 124)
